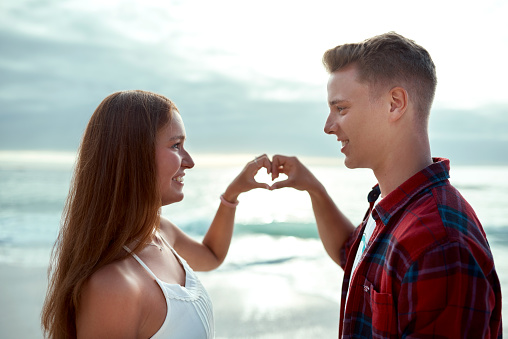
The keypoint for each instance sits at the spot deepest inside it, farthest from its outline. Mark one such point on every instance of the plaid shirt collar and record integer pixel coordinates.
(433, 175)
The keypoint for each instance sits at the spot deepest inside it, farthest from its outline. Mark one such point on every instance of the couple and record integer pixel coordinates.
(419, 264)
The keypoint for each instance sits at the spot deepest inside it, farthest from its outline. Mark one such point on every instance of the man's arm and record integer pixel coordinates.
(333, 226)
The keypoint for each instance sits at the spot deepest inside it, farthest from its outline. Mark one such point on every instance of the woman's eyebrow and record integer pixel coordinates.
(177, 137)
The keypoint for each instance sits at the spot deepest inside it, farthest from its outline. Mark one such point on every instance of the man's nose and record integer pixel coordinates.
(330, 125)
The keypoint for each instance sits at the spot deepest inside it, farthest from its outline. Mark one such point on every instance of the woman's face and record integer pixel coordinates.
(172, 160)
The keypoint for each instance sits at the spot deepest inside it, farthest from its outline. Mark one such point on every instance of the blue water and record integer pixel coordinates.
(275, 237)
(33, 190)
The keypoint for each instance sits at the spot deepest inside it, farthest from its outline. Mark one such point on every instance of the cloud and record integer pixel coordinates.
(487, 123)
(476, 137)
(57, 70)
(51, 86)
(249, 82)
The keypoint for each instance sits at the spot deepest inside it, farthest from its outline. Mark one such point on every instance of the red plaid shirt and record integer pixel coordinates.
(427, 271)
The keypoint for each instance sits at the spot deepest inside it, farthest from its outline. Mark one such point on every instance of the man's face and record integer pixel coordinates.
(356, 119)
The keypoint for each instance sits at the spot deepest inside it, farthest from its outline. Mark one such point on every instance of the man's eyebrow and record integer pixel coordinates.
(337, 102)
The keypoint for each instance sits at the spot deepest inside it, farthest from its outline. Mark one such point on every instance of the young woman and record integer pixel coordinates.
(120, 270)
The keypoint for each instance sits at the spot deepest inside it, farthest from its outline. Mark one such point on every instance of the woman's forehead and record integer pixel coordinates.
(174, 129)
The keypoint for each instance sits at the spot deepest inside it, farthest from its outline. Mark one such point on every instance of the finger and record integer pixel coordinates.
(264, 161)
(280, 184)
(261, 185)
(277, 164)
(258, 161)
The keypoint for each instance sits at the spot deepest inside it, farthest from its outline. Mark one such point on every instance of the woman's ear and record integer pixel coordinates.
(398, 103)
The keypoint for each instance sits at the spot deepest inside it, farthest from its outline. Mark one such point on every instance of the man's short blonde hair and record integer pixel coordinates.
(386, 61)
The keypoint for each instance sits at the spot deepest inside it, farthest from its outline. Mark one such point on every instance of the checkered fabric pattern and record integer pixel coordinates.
(427, 271)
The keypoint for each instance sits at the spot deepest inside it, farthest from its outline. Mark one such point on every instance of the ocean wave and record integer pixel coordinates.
(298, 230)
(291, 229)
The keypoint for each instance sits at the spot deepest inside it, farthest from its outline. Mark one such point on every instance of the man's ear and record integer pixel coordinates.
(398, 103)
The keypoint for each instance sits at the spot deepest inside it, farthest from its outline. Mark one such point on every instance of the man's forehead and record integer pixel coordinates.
(342, 82)
(346, 74)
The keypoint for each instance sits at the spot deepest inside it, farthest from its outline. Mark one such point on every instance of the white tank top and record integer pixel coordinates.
(189, 308)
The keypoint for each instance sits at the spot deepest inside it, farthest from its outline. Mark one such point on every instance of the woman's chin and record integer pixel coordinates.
(172, 199)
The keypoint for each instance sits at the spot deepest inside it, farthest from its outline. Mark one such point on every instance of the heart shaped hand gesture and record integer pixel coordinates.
(298, 176)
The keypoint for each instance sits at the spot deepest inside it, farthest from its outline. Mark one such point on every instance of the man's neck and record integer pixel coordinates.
(402, 166)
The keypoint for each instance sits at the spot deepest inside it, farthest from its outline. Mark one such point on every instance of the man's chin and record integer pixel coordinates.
(349, 163)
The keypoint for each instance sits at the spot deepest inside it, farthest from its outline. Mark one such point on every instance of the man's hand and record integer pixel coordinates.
(299, 177)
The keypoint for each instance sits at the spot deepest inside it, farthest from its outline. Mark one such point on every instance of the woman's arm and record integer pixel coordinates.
(211, 252)
(108, 306)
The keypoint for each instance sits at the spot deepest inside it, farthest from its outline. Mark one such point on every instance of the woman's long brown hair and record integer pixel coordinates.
(113, 200)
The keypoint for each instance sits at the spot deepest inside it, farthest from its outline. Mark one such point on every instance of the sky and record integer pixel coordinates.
(246, 75)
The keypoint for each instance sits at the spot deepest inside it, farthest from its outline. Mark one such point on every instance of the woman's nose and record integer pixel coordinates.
(187, 161)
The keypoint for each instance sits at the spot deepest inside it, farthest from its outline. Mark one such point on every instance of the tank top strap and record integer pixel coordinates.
(140, 262)
(165, 241)
(182, 260)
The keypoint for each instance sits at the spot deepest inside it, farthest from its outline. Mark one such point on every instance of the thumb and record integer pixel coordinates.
(280, 184)
(261, 185)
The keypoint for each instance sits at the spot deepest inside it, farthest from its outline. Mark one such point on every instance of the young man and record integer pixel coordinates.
(419, 265)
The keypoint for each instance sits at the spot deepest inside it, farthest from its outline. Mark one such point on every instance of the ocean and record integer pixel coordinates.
(275, 235)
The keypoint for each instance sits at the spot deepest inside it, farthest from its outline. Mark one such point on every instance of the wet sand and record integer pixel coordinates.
(247, 303)
(22, 292)
(245, 306)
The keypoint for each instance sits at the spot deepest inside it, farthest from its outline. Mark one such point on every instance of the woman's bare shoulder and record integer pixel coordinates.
(165, 224)
(117, 278)
(168, 230)
(110, 302)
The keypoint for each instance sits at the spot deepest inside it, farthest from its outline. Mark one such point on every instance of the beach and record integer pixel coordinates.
(276, 282)
(253, 306)
(250, 304)
(261, 301)
(21, 296)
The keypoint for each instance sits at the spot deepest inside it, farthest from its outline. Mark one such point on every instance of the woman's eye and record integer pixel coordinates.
(176, 146)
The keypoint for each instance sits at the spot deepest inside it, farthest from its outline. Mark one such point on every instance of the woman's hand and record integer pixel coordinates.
(209, 254)
(245, 181)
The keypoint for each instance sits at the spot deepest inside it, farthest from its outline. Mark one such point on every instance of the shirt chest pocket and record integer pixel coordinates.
(383, 313)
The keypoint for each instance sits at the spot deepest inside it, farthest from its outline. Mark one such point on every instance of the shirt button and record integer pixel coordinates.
(366, 288)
